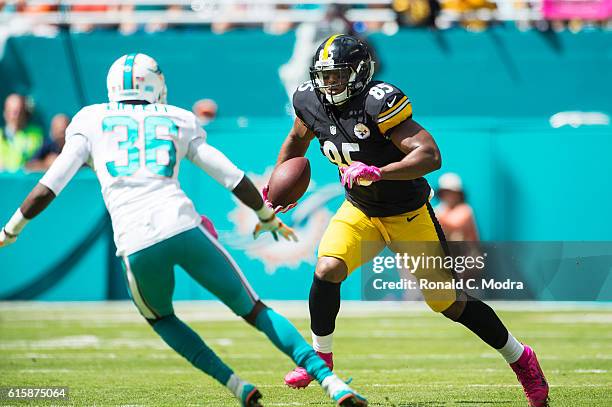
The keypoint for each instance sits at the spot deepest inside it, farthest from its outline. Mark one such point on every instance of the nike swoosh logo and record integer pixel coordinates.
(390, 104)
(411, 218)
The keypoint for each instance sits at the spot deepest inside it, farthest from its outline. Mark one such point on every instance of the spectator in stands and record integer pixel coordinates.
(19, 139)
(470, 12)
(160, 22)
(88, 8)
(205, 110)
(455, 216)
(279, 26)
(226, 10)
(51, 148)
(16, 6)
(40, 7)
(416, 13)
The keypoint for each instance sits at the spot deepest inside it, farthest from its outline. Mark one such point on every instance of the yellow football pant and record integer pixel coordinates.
(356, 239)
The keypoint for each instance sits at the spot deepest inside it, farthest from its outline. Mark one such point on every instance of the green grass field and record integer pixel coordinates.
(397, 355)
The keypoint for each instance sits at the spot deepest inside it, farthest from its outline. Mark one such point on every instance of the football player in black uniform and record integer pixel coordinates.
(365, 127)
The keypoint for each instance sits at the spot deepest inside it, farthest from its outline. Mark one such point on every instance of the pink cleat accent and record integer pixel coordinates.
(529, 373)
(299, 378)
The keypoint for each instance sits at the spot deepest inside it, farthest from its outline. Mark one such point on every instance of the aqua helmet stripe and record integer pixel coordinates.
(128, 76)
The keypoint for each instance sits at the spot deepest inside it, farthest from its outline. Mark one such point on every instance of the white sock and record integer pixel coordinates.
(512, 350)
(322, 344)
(333, 384)
(236, 385)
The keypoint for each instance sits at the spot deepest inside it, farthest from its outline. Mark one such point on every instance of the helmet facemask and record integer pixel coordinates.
(333, 81)
(339, 82)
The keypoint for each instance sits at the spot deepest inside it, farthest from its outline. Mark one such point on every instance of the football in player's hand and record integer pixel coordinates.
(289, 181)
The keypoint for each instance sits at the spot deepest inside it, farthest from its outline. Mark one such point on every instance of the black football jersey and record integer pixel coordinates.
(360, 131)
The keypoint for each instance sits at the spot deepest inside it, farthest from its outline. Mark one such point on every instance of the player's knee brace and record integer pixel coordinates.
(251, 317)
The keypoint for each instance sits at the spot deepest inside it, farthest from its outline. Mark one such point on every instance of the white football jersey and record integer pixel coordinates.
(135, 151)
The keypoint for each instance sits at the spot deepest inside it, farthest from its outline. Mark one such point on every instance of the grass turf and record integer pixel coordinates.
(108, 355)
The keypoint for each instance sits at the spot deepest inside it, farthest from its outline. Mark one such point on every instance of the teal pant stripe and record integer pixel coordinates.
(128, 75)
(141, 303)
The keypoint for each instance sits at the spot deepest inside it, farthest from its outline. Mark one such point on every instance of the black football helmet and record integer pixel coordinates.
(341, 68)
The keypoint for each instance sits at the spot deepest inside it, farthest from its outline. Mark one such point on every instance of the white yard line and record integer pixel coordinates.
(125, 311)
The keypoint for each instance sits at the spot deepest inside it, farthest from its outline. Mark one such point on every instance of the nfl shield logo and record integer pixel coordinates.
(332, 130)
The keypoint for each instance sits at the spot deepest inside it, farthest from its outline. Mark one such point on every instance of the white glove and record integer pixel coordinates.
(6, 238)
(276, 227)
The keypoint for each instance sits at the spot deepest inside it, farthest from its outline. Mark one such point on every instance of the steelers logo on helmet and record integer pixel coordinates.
(341, 68)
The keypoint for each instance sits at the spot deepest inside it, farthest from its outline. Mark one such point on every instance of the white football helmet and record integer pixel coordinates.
(136, 77)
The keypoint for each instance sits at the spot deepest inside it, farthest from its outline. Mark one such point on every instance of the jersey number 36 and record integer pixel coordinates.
(129, 160)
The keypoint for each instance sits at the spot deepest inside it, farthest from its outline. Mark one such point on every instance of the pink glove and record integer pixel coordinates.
(208, 225)
(357, 172)
(281, 209)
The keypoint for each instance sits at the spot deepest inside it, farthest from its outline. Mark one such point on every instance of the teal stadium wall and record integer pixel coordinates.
(485, 97)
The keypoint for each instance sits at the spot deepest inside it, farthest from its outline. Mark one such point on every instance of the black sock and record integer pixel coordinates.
(479, 318)
(324, 304)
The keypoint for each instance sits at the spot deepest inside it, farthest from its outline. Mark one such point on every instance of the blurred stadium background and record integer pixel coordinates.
(519, 106)
(516, 93)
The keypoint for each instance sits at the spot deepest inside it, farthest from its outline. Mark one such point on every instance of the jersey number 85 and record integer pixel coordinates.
(331, 152)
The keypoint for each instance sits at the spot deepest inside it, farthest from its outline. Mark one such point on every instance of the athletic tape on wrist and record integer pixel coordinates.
(16, 224)
(265, 213)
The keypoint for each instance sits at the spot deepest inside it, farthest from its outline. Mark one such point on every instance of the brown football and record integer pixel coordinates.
(289, 181)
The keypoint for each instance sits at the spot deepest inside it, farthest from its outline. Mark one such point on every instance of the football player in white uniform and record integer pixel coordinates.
(135, 144)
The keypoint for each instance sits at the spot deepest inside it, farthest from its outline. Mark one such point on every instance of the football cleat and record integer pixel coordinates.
(531, 377)
(341, 393)
(250, 396)
(299, 378)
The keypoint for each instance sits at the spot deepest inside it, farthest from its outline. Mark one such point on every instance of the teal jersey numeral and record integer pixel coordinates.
(152, 145)
(110, 124)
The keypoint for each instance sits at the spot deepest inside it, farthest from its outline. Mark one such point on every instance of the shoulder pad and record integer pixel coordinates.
(305, 102)
(387, 105)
